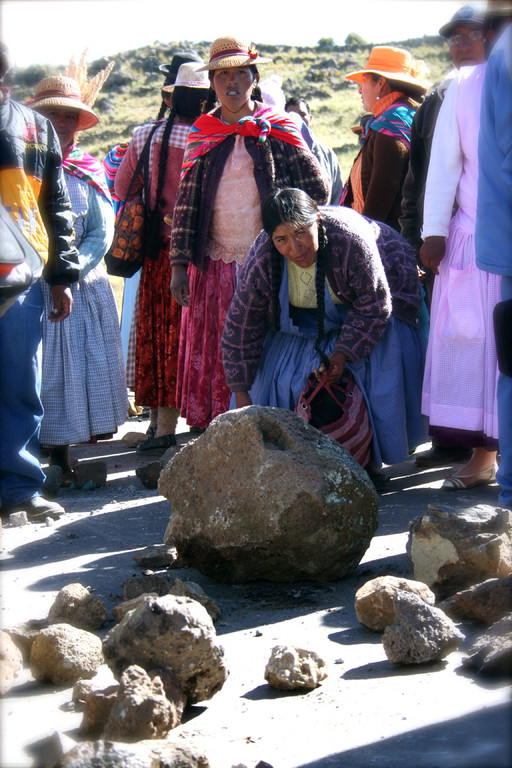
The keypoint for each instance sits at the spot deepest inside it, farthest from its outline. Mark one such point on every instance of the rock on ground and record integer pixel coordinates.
(263, 495)
(144, 754)
(290, 668)
(491, 654)
(75, 605)
(141, 709)
(374, 601)
(487, 602)
(172, 632)
(451, 548)
(421, 632)
(62, 654)
(11, 662)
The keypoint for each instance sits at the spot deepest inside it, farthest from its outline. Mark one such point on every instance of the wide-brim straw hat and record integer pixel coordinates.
(64, 92)
(231, 52)
(395, 64)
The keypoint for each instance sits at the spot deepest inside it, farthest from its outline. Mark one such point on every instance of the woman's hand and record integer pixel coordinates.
(180, 285)
(242, 399)
(432, 252)
(62, 303)
(335, 370)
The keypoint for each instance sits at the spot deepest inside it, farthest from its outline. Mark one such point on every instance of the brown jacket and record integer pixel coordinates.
(384, 163)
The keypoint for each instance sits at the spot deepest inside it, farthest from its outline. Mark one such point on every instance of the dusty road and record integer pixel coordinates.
(365, 713)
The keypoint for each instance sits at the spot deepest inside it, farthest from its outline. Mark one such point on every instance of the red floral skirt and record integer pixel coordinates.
(158, 334)
(202, 392)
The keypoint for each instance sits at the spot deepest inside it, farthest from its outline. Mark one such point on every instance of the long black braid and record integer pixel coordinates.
(321, 262)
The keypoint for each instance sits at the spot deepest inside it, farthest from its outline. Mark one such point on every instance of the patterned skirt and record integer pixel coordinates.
(202, 391)
(158, 335)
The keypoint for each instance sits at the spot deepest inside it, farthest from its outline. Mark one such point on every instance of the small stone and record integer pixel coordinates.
(97, 707)
(11, 662)
(149, 474)
(487, 602)
(62, 654)
(120, 610)
(196, 592)
(491, 654)
(374, 600)
(133, 439)
(290, 668)
(75, 605)
(139, 585)
(94, 472)
(17, 519)
(421, 633)
(157, 556)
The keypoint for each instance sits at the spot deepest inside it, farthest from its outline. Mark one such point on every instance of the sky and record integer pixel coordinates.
(50, 32)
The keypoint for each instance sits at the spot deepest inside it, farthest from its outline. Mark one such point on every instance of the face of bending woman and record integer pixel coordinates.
(234, 87)
(297, 244)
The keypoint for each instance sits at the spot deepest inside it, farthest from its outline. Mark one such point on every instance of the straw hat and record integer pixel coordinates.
(60, 91)
(393, 63)
(231, 52)
(171, 70)
(190, 75)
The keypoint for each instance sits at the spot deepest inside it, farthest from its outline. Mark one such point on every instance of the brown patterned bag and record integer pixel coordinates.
(134, 225)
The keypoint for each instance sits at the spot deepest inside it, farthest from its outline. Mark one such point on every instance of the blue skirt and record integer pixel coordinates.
(390, 376)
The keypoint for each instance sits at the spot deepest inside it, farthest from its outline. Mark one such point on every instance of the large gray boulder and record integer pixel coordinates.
(263, 495)
(175, 633)
(452, 548)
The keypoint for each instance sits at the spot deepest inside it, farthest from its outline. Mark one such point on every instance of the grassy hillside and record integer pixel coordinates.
(131, 96)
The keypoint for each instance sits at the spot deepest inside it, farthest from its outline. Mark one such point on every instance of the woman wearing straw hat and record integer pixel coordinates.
(158, 326)
(83, 382)
(391, 88)
(236, 155)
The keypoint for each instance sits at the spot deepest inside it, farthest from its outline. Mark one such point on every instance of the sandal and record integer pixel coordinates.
(465, 482)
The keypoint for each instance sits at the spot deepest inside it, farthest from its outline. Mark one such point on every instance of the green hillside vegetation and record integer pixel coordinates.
(131, 95)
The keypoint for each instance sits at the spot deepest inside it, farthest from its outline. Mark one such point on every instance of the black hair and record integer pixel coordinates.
(296, 101)
(186, 103)
(295, 207)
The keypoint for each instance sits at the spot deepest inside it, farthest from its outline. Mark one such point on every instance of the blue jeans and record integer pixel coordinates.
(21, 409)
(504, 474)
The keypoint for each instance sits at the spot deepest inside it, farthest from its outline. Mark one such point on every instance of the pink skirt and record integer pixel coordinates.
(201, 389)
(461, 369)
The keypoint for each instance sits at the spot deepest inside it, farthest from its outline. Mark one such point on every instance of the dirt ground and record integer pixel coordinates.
(366, 713)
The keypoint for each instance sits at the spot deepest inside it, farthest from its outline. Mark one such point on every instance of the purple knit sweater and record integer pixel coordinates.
(370, 267)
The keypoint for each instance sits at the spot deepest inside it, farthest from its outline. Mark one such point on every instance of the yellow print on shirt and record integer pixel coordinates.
(19, 194)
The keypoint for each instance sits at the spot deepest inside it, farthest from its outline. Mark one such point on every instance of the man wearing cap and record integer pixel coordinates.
(493, 232)
(33, 191)
(464, 34)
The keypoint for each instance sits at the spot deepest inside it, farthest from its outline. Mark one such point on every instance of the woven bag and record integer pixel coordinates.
(339, 410)
(130, 242)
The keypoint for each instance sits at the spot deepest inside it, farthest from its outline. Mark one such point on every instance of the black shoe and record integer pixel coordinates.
(380, 481)
(197, 430)
(442, 455)
(156, 446)
(37, 508)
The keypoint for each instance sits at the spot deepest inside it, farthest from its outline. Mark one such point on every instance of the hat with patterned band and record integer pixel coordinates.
(171, 70)
(395, 64)
(230, 52)
(64, 92)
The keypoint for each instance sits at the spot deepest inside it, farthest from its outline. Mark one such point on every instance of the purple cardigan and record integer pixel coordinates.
(370, 267)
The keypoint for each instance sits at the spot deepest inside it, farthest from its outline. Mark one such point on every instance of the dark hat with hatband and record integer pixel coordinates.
(468, 14)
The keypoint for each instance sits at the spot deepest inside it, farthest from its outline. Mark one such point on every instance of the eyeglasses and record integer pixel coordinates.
(472, 37)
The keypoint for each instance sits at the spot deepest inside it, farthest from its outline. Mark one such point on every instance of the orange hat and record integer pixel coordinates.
(395, 64)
